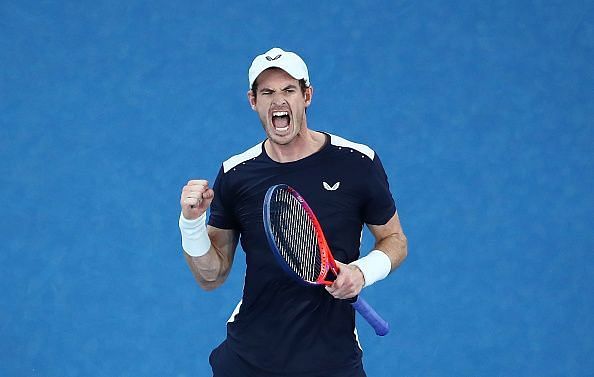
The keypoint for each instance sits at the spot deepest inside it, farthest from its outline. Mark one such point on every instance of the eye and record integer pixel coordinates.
(290, 90)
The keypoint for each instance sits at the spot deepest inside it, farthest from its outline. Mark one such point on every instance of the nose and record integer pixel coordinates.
(278, 99)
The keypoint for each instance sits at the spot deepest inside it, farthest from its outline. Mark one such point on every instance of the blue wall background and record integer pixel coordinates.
(482, 112)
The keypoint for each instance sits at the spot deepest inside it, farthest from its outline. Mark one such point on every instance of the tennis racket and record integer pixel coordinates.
(296, 239)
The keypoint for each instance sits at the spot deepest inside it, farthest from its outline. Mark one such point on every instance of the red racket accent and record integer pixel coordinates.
(329, 269)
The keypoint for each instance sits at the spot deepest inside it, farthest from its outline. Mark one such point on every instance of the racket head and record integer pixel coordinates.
(296, 237)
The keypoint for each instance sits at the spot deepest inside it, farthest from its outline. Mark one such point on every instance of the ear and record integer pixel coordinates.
(251, 99)
(308, 95)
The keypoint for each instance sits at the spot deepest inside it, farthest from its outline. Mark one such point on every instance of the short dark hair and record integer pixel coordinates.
(302, 85)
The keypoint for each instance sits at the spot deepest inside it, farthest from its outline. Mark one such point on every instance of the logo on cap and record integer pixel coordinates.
(271, 59)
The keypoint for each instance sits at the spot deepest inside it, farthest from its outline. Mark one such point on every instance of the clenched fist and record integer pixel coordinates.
(196, 197)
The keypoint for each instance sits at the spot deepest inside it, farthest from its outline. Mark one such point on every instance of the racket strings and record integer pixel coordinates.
(295, 235)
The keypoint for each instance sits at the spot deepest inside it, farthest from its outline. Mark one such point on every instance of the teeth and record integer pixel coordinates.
(283, 129)
(280, 113)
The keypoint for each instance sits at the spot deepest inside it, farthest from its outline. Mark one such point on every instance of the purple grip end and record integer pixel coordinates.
(380, 326)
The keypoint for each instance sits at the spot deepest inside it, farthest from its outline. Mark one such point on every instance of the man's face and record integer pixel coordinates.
(280, 104)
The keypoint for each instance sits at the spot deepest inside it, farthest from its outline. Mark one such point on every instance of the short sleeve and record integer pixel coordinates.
(221, 210)
(379, 206)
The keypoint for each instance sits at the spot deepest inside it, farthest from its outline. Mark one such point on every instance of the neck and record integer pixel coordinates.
(305, 144)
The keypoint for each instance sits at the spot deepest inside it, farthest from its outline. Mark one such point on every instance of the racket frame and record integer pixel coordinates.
(328, 264)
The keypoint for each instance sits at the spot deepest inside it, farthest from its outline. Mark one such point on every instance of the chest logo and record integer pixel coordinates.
(331, 188)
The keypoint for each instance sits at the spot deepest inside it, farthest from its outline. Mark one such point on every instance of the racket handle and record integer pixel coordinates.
(380, 326)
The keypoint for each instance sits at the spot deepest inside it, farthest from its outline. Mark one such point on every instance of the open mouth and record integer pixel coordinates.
(281, 120)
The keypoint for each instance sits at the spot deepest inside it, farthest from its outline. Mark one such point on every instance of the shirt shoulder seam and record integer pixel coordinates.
(249, 154)
(361, 148)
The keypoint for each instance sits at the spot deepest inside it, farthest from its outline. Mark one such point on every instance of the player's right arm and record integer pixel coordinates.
(212, 267)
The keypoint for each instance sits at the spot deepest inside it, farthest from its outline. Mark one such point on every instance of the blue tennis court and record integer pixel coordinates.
(482, 113)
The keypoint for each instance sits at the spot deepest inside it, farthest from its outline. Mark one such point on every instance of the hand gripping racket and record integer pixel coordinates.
(296, 239)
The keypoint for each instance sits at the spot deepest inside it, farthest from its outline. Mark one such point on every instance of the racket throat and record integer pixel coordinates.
(330, 276)
(329, 272)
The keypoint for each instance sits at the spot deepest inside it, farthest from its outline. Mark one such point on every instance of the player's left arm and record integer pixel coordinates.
(389, 240)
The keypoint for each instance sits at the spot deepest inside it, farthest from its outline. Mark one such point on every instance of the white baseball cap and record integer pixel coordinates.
(288, 61)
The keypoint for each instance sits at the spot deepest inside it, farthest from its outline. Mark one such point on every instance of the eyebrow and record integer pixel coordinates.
(290, 86)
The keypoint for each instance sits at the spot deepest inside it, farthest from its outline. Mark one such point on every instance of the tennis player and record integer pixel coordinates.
(281, 328)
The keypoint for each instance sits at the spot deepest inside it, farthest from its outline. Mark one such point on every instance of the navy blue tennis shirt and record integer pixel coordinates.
(281, 325)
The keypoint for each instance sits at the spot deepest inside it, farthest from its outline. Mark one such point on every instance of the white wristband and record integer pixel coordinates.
(195, 241)
(375, 266)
